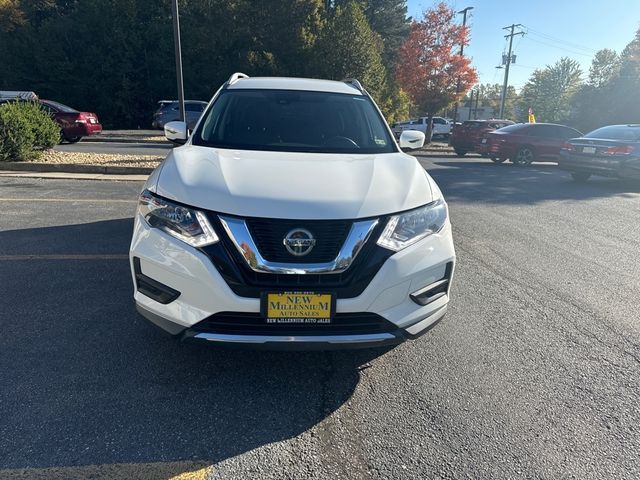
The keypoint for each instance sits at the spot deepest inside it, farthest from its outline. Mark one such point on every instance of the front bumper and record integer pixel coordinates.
(203, 294)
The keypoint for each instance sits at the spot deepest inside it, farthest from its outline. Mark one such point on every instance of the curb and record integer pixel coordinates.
(72, 168)
(99, 139)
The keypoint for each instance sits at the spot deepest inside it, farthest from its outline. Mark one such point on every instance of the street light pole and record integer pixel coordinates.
(178, 53)
(464, 24)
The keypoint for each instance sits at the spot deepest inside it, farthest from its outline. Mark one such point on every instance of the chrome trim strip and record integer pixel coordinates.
(238, 232)
(223, 337)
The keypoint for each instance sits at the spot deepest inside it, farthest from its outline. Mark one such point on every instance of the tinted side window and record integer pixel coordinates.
(518, 129)
(50, 110)
(568, 133)
(616, 132)
(439, 121)
(546, 131)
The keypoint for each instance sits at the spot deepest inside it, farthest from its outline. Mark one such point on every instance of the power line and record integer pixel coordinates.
(525, 66)
(576, 46)
(559, 48)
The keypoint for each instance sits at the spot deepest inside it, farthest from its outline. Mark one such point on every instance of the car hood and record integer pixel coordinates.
(293, 185)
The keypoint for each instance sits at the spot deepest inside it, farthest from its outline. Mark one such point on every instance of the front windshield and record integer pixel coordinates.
(294, 121)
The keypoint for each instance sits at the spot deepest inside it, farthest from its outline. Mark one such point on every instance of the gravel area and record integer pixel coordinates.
(106, 159)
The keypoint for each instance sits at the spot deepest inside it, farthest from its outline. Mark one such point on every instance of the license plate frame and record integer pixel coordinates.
(300, 316)
(589, 150)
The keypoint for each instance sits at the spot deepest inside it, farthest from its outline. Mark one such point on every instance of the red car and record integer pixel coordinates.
(73, 124)
(467, 137)
(524, 143)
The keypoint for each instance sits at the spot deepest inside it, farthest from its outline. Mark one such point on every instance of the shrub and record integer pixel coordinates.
(25, 130)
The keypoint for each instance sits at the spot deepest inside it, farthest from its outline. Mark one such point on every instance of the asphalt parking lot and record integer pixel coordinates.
(534, 373)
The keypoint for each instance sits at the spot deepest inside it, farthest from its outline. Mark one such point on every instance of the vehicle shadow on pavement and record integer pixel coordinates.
(85, 381)
(487, 182)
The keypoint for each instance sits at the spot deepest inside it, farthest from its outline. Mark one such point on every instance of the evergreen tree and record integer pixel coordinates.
(348, 48)
(592, 105)
(388, 18)
(624, 89)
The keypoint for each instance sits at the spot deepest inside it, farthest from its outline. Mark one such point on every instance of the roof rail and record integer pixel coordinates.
(235, 77)
(354, 83)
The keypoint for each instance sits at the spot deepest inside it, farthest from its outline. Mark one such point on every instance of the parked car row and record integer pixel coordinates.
(441, 126)
(612, 151)
(468, 137)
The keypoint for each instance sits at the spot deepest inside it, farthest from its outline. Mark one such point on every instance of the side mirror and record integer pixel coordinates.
(176, 132)
(412, 139)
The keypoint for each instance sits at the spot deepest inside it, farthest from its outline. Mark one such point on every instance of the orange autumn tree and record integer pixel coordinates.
(430, 65)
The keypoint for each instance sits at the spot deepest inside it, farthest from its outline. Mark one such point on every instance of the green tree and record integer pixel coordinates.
(550, 91)
(624, 96)
(592, 104)
(348, 48)
(388, 18)
(115, 57)
(605, 66)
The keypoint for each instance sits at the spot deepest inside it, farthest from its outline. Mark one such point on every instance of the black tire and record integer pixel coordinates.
(72, 139)
(524, 156)
(580, 177)
(459, 152)
(498, 159)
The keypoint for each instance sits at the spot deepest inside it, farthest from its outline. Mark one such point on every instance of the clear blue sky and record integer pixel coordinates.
(557, 28)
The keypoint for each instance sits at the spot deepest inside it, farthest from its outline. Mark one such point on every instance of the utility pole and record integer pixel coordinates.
(178, 53)
(470, 106)
(506, 70)
(475, 112)
(464, 23)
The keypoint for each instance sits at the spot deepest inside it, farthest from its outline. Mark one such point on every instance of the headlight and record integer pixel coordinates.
(409, 227)
(186, 224)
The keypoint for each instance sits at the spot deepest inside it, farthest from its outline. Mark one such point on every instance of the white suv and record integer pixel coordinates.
(291, 218)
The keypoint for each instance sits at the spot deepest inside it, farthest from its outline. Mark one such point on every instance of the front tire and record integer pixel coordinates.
(523, 157)
(580, 177)
(459, 152)
(72, 139)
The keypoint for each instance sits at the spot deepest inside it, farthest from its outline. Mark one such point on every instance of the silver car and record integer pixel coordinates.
(168, 112)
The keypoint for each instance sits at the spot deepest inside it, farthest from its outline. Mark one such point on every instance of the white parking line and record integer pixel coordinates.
(70, 200)
(117, 256)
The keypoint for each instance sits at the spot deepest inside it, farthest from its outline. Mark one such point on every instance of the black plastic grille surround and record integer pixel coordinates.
(247, 283)
(242, 323)
(269, 234)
